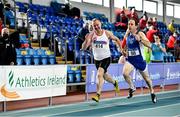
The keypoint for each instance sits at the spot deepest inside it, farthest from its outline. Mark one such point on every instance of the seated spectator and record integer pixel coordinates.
(171, 42)
(151, 33)
(158, 50)
(171, 28)
(142, 22)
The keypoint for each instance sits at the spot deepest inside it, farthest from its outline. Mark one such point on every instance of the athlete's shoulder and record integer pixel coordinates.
(141, 33)
(90, 34)
(108, 33)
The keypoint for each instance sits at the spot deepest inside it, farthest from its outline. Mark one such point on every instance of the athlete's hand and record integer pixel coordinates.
(124, 52)
(127, 32)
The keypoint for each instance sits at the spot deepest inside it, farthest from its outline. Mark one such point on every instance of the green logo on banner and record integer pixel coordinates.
(10, 77)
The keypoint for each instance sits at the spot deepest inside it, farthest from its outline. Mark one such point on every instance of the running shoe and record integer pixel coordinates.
(131, 91)
(153, 97)
(116, 87)
(96, 97)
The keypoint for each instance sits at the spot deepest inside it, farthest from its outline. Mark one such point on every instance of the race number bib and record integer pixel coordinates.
(133, 52)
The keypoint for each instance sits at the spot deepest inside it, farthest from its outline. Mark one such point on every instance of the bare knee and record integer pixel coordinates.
(125, 74)
(99, 76)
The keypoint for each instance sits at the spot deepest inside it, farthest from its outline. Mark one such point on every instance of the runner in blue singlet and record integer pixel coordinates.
(133, 42)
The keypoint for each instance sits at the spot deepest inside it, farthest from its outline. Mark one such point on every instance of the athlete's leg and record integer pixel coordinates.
(109, 78)
(99, 84)
(146, 77)
(127, 69)
(100, 74)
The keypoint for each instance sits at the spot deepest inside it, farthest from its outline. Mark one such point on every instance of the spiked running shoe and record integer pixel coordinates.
(96, 97)
(153, 97)
(116, 87)
(131, 91)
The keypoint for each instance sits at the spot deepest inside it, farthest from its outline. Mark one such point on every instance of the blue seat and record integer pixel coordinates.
(52, 59)
(44, 57)
(70, 76)
(36, 58)
(19, 60)
(19, 57)
(28, 57)
(77, 75)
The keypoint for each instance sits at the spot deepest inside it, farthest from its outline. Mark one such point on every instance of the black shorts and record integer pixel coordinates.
(103, 63)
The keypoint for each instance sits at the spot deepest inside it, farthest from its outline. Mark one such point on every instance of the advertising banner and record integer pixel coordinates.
(28, 82)
(2, 80)
(171, 73)
(160, 74)
(115, 70)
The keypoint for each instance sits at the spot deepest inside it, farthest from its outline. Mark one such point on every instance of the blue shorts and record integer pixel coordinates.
(137, 62)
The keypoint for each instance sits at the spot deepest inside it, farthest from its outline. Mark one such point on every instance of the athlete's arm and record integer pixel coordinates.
(116, 39)
(87, 42)
(141, 37)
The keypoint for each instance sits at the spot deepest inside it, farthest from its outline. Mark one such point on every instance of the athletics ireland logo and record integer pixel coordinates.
(5, 92)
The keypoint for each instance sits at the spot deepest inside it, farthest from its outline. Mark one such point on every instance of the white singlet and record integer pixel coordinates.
(100, 46)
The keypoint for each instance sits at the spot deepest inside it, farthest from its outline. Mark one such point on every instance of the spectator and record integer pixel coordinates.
(142, 22)
(171, 42)
(82, 33)
(144, 14)
(148, 25)
(171, 28)
(151, 33)
(154, 22)
(8, 51)
(158, 50)
(133, 15)
(121, 20)
(177, 48)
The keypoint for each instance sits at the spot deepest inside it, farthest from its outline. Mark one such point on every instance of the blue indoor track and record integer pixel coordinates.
(168, 105)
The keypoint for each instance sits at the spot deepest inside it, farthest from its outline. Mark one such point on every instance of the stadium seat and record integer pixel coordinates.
(77, 75)
(70, 75)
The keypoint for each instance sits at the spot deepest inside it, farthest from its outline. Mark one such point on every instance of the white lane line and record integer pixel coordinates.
(105, 106)
(86, 102)
(119, 114)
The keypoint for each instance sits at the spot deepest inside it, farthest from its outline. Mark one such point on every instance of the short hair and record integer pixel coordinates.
(95, 19)
(136, 23)
(2, 32)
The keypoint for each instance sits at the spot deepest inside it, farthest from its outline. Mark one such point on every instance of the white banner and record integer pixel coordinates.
(2, 80)
(27, 82)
